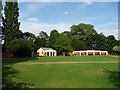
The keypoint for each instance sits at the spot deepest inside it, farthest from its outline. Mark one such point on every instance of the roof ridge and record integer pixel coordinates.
(46, 48)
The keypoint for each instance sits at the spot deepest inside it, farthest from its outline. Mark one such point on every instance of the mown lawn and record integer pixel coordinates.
(75, 58)
(61, 75)
(63, 59)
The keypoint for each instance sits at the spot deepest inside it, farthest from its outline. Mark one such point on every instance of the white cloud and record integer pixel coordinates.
(36, 27)
(66, 12)
(32, 8)
(84, 4)
(108, 29)
(116, 18)
(112, 32)
(92, 18)
(29, 9)
(109, 24)
(33, 19)
(107, 32)
(88, 2)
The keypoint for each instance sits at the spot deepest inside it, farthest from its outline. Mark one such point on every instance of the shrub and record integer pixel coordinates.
(20, 47)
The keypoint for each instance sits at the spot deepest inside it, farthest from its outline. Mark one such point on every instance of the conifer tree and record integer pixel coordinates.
(0, 10)
(0, 24)
(10, 21)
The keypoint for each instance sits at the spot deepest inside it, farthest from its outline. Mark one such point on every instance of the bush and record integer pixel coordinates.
(20, 47)
(116, 49)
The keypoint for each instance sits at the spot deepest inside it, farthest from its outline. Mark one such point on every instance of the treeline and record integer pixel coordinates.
(80, 37)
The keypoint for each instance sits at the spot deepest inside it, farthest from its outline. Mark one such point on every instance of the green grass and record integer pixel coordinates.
(75, 58)
(62, 59)
(64, 75)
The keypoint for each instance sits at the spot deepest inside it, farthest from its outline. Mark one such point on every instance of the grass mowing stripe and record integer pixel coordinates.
(66, 76)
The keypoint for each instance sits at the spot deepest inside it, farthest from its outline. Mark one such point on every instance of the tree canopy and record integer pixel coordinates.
(20, 47)
(29, 36)
(63, 44)
(54, 34)
(116, 49)
(10, 21)
(0, 10)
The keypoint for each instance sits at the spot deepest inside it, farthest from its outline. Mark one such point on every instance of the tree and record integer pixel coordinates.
(78, 43)
(101, 42)
(53, 38)
(44, 35)
(66, 34)
(0, 23)
(20, 47)
(116, 49)
(29, 36)
(111, 41)
(63, 44)
(40, 42)
(97, 42)
(43, 38)
(10, 22)
(0, 10)
(84, 30)
(79, 35)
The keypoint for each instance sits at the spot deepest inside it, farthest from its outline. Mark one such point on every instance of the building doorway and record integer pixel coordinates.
(47, 53)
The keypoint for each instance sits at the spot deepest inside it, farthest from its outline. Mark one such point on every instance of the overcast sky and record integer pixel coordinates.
(46, 16)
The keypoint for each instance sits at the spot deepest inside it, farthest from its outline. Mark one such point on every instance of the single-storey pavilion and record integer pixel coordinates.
(90, 52)
(46, 52)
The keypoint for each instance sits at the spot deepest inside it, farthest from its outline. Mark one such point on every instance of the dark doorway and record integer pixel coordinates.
(47, 53)
(50, 53)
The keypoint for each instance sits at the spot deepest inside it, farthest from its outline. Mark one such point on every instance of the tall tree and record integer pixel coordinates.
(97, 42)
(0, 22)
(78, 43)
(44, 38)
(66, 34)
(40, 42)
(111, 41)
(79, 35)
(0, 10)
(84, 30)
(44, 35)
(53, 38)
(29, 36)
(10, 21)
(63, 44)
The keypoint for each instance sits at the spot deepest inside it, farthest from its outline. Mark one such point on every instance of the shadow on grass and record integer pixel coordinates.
(8, 73)
(114, 77)
(16, 60)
